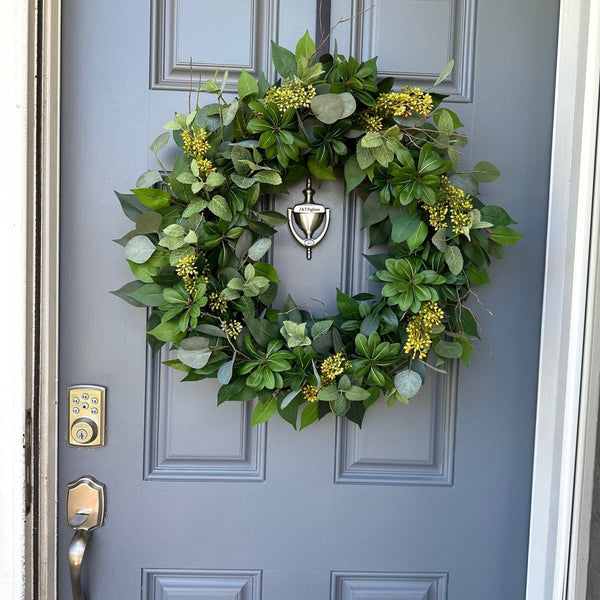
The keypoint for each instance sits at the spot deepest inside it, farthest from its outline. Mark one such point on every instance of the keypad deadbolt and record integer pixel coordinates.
(87, 415)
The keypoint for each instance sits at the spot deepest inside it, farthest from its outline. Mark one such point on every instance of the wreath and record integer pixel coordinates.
(201, 234)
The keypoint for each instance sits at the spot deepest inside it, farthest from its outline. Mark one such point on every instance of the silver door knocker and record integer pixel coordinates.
(308, 216)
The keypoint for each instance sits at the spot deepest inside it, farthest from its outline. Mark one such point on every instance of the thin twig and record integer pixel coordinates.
(190, 88)
(321, 32)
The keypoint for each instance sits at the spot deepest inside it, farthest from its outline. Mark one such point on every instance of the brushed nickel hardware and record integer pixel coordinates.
(87, 415)
(86, 509)
(308, 216)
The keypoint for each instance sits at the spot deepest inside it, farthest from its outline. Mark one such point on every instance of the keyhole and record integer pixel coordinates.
(81, 434)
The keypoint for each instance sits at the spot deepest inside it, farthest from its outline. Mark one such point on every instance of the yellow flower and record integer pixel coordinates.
(205, 167)
(188, 272)
(420, 327)
(454, 202)
(195, 143)
(404, 104)
(292, 94)
(334, 366)
(217, 302)
(310, 393)
(372, 123)
(232, 328)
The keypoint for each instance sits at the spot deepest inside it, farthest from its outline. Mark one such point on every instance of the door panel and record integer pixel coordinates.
(426, 501)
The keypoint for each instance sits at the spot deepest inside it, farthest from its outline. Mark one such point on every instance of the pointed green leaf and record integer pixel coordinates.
(220, 207)
(284, 61)
(263, 412)
(505, 235)
(445, 73)
(454, 259)
(309, 415)
(247, 86)
(305, 47)
(404, 226)
(153, 198)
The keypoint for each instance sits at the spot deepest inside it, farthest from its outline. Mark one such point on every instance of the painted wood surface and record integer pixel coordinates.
(437, 490)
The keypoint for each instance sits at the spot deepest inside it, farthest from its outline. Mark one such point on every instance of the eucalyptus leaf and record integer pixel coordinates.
(408, 383)
(160, 142)
(148, 179)
(328, 108)
(148, 222)
(259, 248)
(230, 112)
(194, 352)
(225, 372)
(448, 349)
(485, 172)
(139, 249)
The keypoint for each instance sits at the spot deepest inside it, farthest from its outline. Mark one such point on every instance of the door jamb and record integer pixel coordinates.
(48, 435)
(566, 412)
(566, 416)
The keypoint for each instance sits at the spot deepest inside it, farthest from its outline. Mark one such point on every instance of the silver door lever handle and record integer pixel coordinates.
(86, 509)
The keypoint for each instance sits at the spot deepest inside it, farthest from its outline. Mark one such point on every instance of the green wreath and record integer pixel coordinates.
(200, 236)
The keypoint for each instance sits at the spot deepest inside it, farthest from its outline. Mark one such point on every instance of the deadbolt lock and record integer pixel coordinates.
(87, 414)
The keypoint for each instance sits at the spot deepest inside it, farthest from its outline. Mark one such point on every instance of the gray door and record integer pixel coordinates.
(428, 500)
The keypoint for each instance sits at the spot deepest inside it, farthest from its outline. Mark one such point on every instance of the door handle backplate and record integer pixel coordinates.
(86, 510)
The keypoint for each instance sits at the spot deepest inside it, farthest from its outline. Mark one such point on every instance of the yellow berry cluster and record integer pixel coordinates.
(310, 392)
(333, 366)
(403, 104)
(371, 123)
(195, 143)
(187, 270)
(232, 328)
(420, 327)
(292, 94)
(217, 303)
(454, 201)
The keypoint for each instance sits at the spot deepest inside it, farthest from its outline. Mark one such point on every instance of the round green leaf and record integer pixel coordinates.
(139, 249)
(148, 222)
(449, 349)
(328, 108)
(408, 383)
(194, 352)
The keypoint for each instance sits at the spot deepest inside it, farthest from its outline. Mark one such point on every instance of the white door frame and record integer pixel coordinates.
(567, 393)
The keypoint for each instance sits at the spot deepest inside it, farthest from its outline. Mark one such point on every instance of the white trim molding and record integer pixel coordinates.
(46, 441)
(563, 397)
(17, 108)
